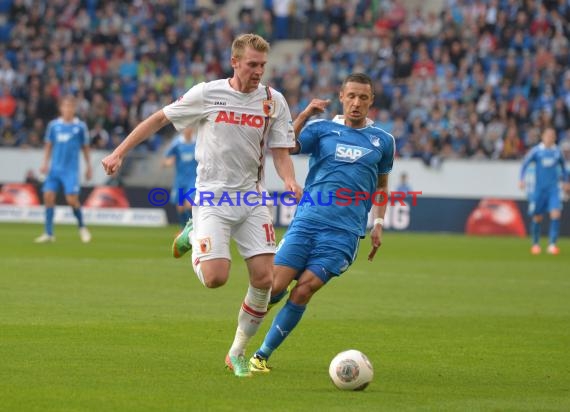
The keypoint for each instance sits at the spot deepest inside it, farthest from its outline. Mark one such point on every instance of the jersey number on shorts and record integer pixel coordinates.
(269, 232)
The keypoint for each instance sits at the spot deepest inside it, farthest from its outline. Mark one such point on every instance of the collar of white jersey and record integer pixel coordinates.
(339, 118)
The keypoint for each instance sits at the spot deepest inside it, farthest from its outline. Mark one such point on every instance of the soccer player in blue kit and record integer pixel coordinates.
(348, 154)
(549, 169)
(182, 154)
(65, 137)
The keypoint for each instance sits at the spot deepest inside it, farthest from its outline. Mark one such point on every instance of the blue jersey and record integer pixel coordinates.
(67, 139)
(549, 166)
(185, 162)
(343, 161)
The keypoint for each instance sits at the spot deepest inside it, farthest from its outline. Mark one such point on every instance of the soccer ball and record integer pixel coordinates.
(351, 370)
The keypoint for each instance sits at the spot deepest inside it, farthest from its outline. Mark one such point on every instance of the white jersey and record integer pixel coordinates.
(232, 129)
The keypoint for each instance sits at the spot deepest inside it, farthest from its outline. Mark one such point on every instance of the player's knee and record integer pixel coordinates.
(49, 198)
(555, 214)
(72, 201)
(214, 280)
(301, 294)
(214, 283)
(262, 280)
(214, 276)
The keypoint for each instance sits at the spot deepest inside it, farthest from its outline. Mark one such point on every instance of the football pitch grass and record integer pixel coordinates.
(450, 323)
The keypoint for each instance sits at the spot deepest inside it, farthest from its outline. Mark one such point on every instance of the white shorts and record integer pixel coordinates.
(250, 226)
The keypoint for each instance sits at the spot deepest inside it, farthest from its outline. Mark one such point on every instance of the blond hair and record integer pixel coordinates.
(254, 41)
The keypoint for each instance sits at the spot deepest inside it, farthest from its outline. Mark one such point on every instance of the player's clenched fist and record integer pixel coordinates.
(112, 163)
(294, 188)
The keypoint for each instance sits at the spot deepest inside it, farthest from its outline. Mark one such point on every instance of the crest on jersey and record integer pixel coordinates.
(375, 141)
(269, 107)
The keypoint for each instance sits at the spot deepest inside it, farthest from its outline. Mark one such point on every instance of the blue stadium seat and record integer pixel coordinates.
(5, 32)
(5, 6)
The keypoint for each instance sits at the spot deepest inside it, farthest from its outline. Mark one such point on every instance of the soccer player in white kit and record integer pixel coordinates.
(235, 119)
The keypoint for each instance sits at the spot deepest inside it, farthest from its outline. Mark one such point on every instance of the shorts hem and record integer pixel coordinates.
(210, 257)
(259, 252)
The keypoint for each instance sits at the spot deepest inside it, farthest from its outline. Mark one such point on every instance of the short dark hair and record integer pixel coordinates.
(359, 78)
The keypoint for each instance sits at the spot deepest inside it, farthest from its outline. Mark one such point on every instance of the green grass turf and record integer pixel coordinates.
(451, 323)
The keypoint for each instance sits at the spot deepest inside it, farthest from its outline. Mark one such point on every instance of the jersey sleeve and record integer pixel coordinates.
(527, 161)
(49, 136)
(281, 132)
(309, 137)
(188, 109)
(388, 151)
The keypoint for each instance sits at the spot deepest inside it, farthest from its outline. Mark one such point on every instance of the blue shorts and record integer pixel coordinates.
(544, 200)
(69, 181)
(327, 252)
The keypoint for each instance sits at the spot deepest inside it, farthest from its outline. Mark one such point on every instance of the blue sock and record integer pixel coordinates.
(49, 220)
(183, 217)
(535, 231)
(554, 230)
(79, 215)
(282, 326)
(277, 298)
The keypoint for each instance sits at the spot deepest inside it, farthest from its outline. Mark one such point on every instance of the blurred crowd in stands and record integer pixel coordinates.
(476, 79)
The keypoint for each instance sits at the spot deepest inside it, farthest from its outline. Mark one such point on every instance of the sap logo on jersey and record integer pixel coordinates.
(549, 161)
(187, 157)
(347, 153)
(243, 119)
(63, 137)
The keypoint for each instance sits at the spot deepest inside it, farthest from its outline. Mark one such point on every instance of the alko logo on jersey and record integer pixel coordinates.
(241, 119)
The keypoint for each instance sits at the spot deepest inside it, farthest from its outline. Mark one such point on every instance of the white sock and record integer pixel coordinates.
(251, 314)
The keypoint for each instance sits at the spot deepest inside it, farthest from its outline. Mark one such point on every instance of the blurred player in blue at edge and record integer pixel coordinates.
(404, 185)
(322, 241)
(181, 155)
(549, 167)
(65, 137)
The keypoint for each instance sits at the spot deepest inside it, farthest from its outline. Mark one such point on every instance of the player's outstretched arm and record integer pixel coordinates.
(143, 131)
